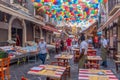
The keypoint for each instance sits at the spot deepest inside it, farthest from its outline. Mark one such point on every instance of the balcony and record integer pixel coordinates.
(20, 4)
(39, 15)
(113, 6)
(21, 7)
(12, 6)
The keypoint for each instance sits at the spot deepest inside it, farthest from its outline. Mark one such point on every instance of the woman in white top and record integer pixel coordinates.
(83, 52)
(104, 46)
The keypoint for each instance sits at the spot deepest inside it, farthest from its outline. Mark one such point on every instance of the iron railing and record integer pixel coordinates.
(14, 8)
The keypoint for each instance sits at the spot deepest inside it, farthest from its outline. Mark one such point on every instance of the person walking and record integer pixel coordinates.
(83, 52)
(69, 44)
(42, 48)
(104, 48)
(81, 37)
(90, 41)
(57, 46)
(62, 45)
(96, 41)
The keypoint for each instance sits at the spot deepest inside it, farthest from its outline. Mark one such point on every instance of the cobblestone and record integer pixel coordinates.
(21, 70)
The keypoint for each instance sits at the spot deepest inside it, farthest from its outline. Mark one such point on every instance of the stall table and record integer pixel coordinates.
(50, 71)
(64, 57)
(90, 47)
(32, 54)
(93, 74)
(91, 52)
(76, 55)
(94, 58)
(20, 54)
(93, 62)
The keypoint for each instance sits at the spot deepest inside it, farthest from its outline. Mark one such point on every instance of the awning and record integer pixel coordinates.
(117, 6)
(111, 19)
(50, 29)
(20, 14)
(91, 28)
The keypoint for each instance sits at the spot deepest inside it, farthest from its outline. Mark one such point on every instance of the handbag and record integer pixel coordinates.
(48, 56)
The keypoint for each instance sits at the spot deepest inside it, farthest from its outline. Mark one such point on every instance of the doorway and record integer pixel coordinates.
(17, 32)
(17, 36)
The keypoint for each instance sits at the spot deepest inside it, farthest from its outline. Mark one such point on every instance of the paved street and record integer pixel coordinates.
(28, 25)
(22, 69)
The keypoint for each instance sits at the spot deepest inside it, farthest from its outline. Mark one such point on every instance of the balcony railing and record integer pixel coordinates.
(13, 7)
(8, 5)
(112, 4)
(22, 3)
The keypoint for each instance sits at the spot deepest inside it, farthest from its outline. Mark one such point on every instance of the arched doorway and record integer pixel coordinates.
(19, 24)
(16, 32)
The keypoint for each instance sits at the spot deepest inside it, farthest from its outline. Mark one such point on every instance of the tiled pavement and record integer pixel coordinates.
(21, 70)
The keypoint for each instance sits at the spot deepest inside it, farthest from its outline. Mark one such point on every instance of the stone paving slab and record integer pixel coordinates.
(21, 70)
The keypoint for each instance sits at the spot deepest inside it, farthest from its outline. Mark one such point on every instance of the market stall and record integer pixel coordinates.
(17, 53)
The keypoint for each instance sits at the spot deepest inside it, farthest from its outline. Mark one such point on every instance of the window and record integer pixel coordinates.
(4, 17)
(37, 32)
(21, 2)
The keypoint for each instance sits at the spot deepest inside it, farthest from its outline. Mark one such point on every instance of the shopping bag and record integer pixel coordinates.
(48, 56)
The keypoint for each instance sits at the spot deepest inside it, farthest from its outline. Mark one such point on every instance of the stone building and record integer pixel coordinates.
(19, 17)
(111, 27)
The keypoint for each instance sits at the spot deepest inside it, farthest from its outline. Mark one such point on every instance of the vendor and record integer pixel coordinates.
(18, 40)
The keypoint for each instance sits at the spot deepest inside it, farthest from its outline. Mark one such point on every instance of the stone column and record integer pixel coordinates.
(9, 27)
(34, 32)
(119, 35)
(51, 38)
(24, 32)
(47, 37)
(41, 32)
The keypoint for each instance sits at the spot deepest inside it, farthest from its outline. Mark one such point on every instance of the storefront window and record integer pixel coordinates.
(108, 34)
(37, 32)
(115, 36)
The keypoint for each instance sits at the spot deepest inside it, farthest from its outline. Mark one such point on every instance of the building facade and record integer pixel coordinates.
(20, 21)
(111, 27)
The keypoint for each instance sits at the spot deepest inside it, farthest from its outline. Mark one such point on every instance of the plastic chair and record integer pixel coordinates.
(4, 68)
